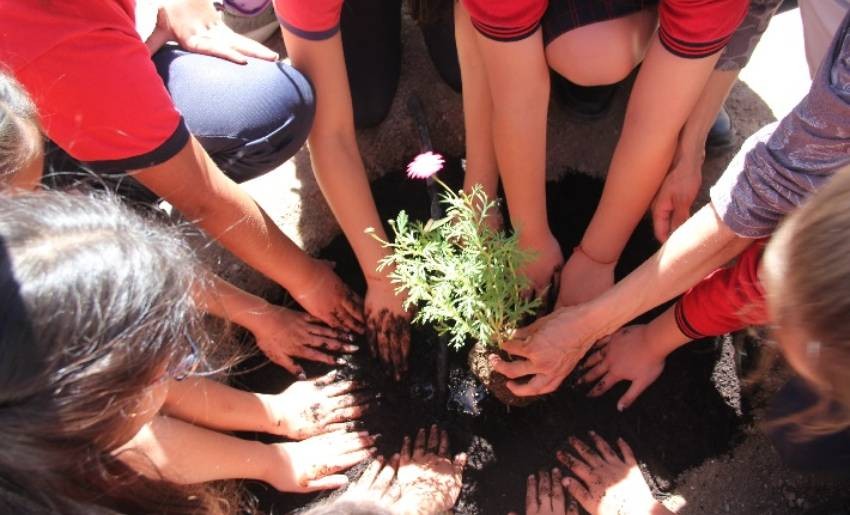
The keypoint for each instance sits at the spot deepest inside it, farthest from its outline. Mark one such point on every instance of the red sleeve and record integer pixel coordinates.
(699, 28)
(101, 100)
(506, 20)
(727, 300)
(309, 19)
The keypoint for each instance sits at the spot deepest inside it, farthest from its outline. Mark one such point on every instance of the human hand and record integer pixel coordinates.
(376, 484)
(327, 298)
(626, 356)
(430, 481)
(283, 334)
(316, 406)
(197, 26)
(544, 270)
(551, 348)
(388, 326)
(583, 279)
(612, 486)
(672, 204)
(548, 497)
(313, 464)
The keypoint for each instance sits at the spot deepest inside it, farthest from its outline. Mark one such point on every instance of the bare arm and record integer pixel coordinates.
(213, 405)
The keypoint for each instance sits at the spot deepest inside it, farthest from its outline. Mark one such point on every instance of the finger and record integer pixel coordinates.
(367, 478)
(348, 414)
(631, 395)
(341, 388)
(444, 444)
(603, 448)
(538, 385)
(322, 343)
(512, 369)
(394, 337)
(405, 450)
(595, 358)
(681, 213)
(286, 362)
(385, 478)
(351, 442)
(661, 221)
(318, 328)
(544, 490)
(372, 336)
(405, 348)
(383, 340)
(353, 305)
(349, 399)
(517, 347)
(327, 482)
(312, 354)
(579, 493)
(419, 444)
(604, 384)
(394, 493)
(626, 451)
(349, 459)
(433, 439)
(593, 375)
(326, 379)
(557, 489)
(459, 463)
(576, 466)
(532, 503)
(251, 48)
(347, 321)
(207, 45)
(347, 426)
(585, 452)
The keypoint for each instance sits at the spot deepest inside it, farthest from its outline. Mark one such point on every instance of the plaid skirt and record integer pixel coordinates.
(565, 15)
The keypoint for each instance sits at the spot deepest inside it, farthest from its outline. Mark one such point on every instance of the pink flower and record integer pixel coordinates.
(425, 165)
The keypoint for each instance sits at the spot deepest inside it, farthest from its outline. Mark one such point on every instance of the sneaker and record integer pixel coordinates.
(721, 134)
(255, 20)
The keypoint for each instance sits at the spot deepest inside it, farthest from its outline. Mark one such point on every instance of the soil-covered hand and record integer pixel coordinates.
(317, 406)
(376, 484)
(328, 299)
(388, 327)
(544, 495)
(199, 28)
(626, 356)
(550, 348)
(313, 464)
(583, 279)
(283, 334)
(611, 486)
(672, 204)
(430, 480)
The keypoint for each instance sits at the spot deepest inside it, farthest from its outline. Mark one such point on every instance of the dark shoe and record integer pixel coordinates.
(586, 102)
(721, 134)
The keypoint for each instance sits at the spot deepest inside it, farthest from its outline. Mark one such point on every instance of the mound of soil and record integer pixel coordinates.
(691, 413)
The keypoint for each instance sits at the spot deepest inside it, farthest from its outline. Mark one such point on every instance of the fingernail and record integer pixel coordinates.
(351, 348)
(620, 407)
(301, 375)
(566, 481)
(340, 361)
(556, 470)
(530, 477)
(379, 459)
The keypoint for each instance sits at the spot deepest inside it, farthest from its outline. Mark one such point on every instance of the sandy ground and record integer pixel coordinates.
(750, 479)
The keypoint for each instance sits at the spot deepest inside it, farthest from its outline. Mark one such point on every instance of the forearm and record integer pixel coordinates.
(182, 453)
(229, 302)
(214, 405)
(696, 129)
(194, 185)
(699, 246)
(654, 118)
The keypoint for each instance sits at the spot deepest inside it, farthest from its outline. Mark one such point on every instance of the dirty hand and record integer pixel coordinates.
(388, 327)
(328, 299)
(429, 478)
(612, 486)
(313, 464)
(316, 406)
(583, 279)
(283, 334)
(551, 348)
(197, 27)
(545, 496)
(376, 484)
(672, 204)
(625, 356)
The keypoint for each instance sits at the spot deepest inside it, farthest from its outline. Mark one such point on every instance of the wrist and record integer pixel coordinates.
(271, 423)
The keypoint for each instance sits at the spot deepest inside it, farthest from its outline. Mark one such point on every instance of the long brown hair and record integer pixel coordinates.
(96, 307)
(807, 266)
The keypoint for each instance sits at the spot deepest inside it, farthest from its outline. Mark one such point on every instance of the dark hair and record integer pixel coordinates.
(20, 133)
(97, 306)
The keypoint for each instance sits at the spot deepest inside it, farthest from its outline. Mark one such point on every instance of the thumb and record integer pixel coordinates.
(634, 391)
(327, 482)
(661, 214)
(681, 213)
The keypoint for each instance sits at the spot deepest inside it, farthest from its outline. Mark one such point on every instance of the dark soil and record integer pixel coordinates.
(496, 383)
(691, 413)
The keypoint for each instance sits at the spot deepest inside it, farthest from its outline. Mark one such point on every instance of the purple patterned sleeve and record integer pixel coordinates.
(781, 165)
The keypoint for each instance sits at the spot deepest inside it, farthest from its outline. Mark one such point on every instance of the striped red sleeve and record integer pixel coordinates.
(728, 300)
(310, 19)
(699, 28)
(506, 20)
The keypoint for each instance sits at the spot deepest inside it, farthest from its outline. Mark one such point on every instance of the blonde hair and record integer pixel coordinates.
(808, 265)
(20, 132)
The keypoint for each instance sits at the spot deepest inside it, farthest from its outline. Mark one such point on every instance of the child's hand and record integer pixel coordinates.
(283, 334)
(388, 326)
(430, 480)
(376, 484)
(313, 464)
(317, 406)
(546, 497)
(612, 486)
(327, 298)
(625, 356)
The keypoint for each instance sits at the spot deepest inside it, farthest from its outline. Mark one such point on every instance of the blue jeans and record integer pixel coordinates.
(249, 118)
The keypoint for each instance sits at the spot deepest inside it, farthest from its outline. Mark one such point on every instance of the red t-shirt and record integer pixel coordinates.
(90, 75)
(728, 300)
(309, 19)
